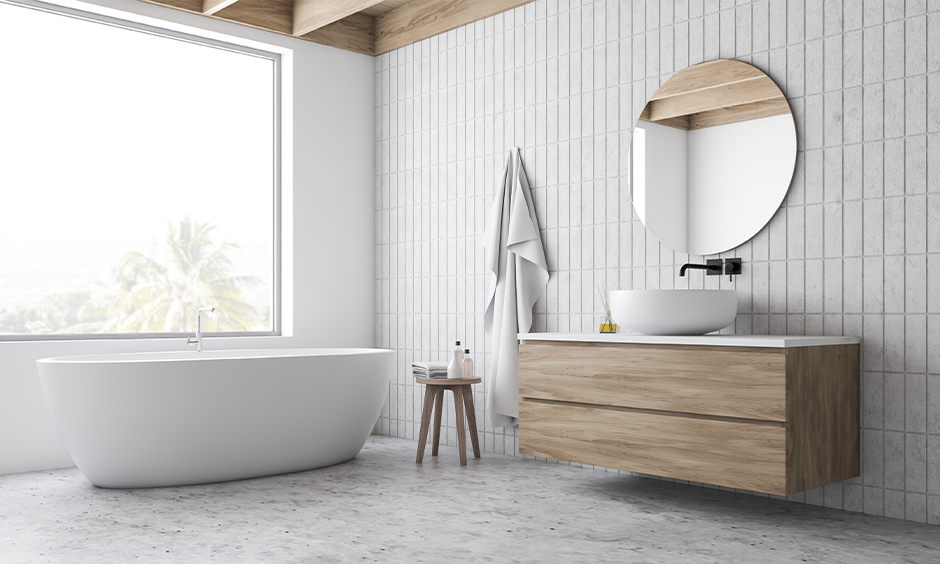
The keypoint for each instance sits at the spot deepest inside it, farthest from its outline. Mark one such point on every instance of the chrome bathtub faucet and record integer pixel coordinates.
(197, 340)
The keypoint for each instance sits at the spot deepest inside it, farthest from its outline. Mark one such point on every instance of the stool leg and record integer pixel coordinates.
(461, 434)
(438, 409)
(425, 422)
(471, 421)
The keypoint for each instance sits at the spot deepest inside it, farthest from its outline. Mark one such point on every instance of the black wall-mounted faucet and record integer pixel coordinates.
(715, 267)
(711, 267)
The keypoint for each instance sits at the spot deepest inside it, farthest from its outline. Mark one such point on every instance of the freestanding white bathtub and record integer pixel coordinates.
(171, 419)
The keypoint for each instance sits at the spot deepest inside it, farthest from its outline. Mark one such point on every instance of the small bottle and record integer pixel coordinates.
(467, 364)
(454, 368)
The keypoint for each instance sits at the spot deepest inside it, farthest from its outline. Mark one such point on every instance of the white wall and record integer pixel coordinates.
(329, 262)
(738, 175)
(708, 190)
(668, 183)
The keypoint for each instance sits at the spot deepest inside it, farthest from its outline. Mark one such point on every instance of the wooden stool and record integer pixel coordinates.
(463, 397)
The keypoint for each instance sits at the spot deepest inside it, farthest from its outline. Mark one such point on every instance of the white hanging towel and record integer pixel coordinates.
(514, 254)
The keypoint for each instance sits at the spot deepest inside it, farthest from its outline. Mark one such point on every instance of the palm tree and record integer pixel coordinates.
(152, 297)
(57, 312)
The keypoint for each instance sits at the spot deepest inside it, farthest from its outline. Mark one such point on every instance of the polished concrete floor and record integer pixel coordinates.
(381, 507)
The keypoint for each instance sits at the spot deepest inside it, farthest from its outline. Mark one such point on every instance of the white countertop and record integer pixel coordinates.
(771, 341)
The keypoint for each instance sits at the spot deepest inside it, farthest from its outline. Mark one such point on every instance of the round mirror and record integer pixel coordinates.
(713, 155)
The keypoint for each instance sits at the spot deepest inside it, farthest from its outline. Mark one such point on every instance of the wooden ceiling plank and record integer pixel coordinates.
(310, 15)
(409, 22)
(709, 74)
(353, 33)
(262, 14)
(745, 112)
(194, 6)
(210, 7)
(422, 19)
(709, 99)
(384, 6)
(678, 122)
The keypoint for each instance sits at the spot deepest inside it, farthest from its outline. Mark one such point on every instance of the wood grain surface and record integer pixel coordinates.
(262, 14)
(421, 19)
(739, 455)
(365, 26)
(310, 15)
(352, 33)
(823, 416)
(773, 420)
(210, 7)
(735, 94)
(708, 74)
(738, 382)
(745, 112)
(448, 381)
(194, 6)
(715, 93)
(385, 6)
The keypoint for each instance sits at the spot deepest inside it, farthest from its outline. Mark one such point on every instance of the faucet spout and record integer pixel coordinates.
(197, 340)
(709, 268)
(712, 267)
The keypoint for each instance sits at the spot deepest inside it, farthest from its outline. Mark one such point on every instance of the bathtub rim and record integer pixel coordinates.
(208, 356)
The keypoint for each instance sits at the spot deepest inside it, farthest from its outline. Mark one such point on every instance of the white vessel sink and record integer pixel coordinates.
(673, 312)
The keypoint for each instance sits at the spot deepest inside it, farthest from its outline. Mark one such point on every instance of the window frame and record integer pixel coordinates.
(190, 36)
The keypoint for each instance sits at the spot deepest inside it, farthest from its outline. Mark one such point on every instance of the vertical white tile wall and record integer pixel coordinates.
(854, 250)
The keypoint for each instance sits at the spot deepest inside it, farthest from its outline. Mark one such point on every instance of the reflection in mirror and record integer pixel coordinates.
(712, 156)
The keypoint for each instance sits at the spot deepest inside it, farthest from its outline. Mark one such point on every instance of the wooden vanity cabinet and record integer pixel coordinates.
(774, 420)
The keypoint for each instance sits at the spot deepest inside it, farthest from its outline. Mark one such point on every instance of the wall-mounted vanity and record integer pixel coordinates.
(713, 155)
(774, 414)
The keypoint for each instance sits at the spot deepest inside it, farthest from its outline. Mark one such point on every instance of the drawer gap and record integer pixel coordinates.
(659, 412)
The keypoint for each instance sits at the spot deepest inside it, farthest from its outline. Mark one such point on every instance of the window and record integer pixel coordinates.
(138, 179)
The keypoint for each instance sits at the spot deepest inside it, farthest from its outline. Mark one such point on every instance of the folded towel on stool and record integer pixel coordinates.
(429, 369)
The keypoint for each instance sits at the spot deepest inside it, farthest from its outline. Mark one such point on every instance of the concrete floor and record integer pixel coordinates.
(381, 507)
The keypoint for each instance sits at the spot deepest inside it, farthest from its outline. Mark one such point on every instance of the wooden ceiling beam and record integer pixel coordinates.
(352, 33)
(341, 23)
(678, 122)
(422, 19)
(709, 74)
(210, 7)
(707, 99)
(193, 6)
(310, 15)
(262, 14)
(745, 112)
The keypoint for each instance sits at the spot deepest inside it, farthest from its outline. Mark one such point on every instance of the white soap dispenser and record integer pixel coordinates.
(455, 367)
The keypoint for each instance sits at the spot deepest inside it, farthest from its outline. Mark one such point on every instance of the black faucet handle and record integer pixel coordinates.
(732, 267)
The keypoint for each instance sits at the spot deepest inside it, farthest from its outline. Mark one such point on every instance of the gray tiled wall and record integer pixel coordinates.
(854, 250)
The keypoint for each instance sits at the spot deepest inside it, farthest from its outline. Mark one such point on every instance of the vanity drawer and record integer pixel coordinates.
(740, 382)
(750, 456)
